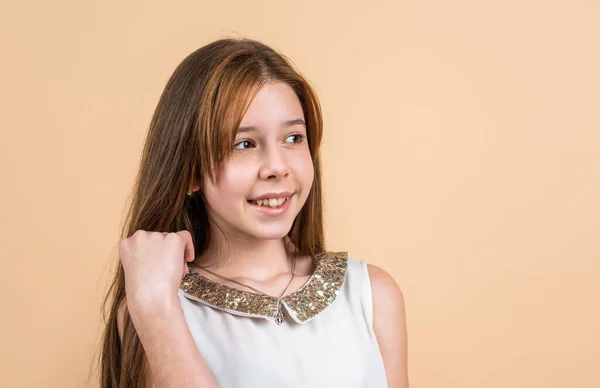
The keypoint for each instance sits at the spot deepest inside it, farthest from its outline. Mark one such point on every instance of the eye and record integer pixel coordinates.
(242, 145)
(298, 138)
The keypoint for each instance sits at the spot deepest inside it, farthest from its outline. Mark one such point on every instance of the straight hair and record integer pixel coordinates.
(191, 134)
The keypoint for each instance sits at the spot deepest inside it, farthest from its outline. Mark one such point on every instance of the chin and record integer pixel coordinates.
(270, 232)
(271, 235)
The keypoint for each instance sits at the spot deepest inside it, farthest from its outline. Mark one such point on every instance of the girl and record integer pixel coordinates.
(224, 279)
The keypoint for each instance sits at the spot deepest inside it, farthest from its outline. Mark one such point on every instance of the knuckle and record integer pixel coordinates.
(124, 244)
(173, 237)
(185, 234)
(154, 235)
(137, 235)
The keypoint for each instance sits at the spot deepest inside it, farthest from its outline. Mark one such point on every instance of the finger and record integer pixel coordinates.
(188, 253)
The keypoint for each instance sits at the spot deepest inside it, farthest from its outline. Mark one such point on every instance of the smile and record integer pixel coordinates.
(270, 202)
(271, 207)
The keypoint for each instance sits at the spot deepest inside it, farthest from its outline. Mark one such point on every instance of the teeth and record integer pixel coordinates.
(271, 202)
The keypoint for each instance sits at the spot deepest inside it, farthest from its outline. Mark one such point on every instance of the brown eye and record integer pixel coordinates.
(298, 138)
(242, 145)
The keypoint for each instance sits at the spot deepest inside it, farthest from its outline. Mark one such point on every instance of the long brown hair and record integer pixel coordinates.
(191, 133)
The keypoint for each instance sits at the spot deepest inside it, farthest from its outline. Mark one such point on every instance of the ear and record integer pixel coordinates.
(197, 182)
(195, 187)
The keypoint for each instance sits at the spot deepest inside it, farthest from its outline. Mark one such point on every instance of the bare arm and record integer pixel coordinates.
(174, 360)
(389, 324)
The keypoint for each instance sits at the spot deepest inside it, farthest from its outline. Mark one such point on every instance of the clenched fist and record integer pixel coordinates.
(154, 263)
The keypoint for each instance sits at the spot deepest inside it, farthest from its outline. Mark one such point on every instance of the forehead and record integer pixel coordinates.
(273, 104)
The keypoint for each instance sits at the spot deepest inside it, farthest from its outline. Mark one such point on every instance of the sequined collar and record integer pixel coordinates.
(302, 305)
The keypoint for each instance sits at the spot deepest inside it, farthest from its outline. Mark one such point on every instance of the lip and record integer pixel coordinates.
(269, 211)
(273, 195)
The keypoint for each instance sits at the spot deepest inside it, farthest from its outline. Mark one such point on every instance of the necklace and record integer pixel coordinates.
(279, 316)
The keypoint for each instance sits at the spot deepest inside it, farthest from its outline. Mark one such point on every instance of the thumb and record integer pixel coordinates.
(188, 252)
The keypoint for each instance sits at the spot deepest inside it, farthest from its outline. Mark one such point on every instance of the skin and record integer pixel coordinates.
(271, 157)
(389, 325)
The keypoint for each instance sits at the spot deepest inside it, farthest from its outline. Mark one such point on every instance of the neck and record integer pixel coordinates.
(247, 257)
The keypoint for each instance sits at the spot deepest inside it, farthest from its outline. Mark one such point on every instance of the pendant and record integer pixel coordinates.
(279, 316)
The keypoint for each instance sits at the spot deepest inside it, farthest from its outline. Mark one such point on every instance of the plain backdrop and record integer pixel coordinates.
(461, 153)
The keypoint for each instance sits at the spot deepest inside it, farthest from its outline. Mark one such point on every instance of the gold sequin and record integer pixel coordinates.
(316, 295)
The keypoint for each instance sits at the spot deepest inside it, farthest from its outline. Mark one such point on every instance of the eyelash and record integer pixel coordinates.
(300, 139)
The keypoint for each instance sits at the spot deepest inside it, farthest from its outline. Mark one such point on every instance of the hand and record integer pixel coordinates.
(154, 263)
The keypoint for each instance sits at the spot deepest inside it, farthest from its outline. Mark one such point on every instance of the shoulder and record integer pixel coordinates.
(388, 300)
(389, 324)
(384, 286)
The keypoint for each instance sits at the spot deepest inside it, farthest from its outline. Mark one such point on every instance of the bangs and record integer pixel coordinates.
(229, 92)
(229, 88)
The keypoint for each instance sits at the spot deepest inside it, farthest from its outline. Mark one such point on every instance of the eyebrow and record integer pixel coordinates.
(285, 124)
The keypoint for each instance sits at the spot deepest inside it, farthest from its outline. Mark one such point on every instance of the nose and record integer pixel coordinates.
(274, 164)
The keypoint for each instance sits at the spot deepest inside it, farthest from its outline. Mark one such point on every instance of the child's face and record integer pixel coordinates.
(272, 157)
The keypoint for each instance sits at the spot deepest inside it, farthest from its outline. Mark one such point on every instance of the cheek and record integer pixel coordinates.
(305, 169)
(234, 181)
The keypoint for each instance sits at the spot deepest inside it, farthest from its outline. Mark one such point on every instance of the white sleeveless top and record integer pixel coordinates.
(326, 338)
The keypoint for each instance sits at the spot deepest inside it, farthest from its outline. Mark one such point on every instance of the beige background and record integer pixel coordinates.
(462, 154)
